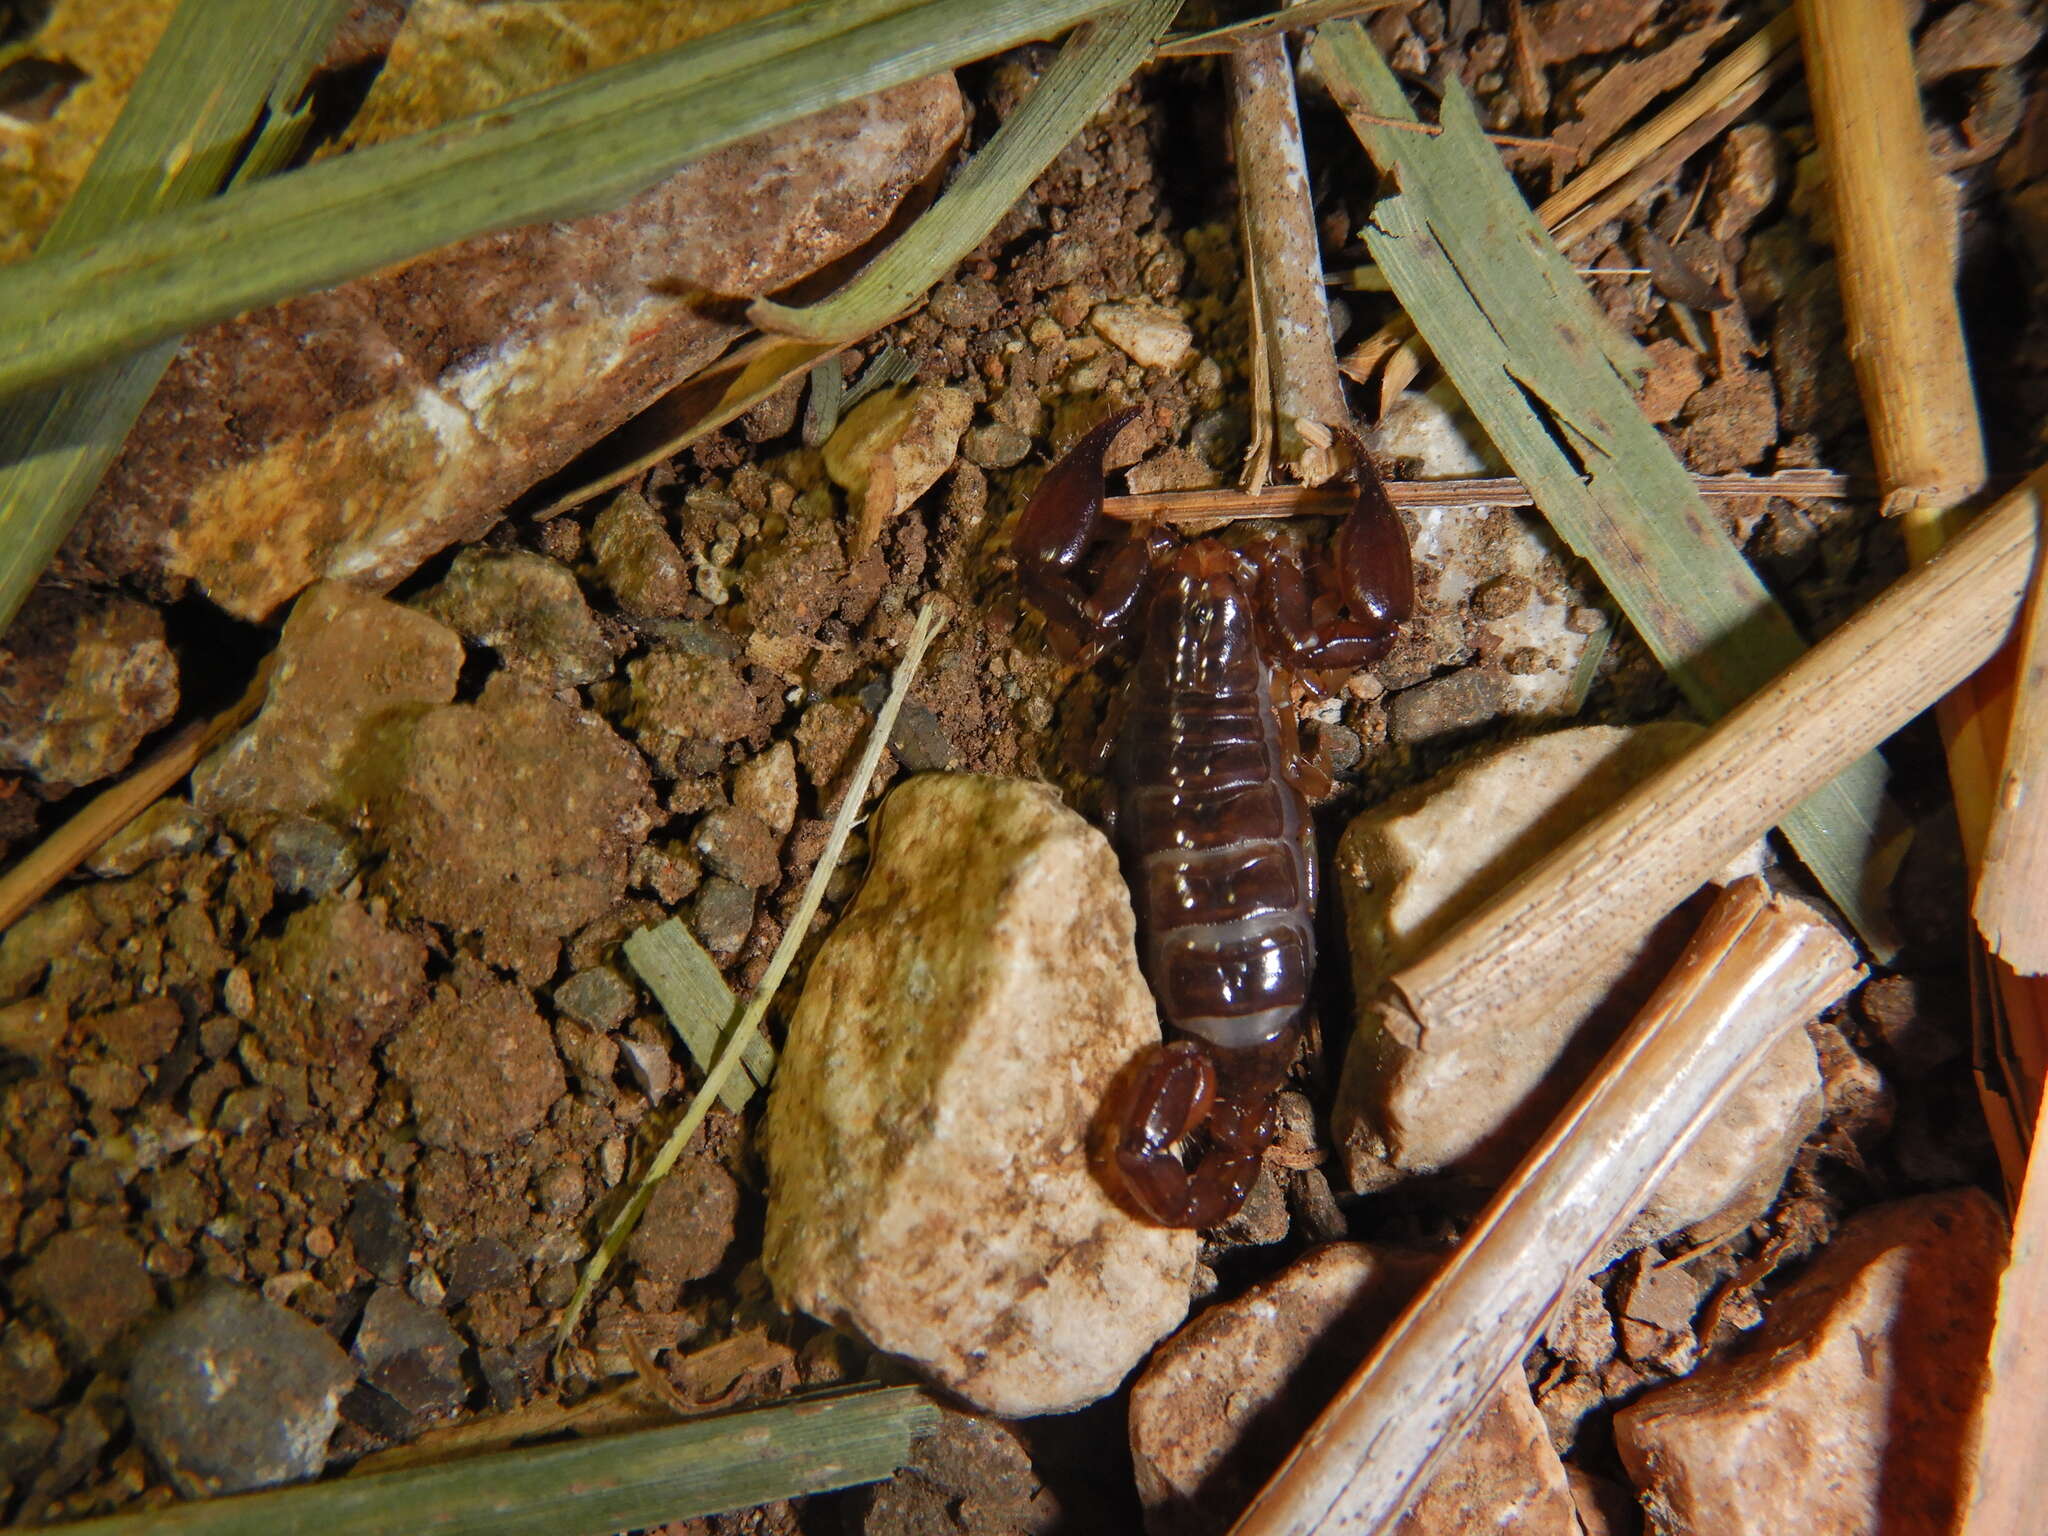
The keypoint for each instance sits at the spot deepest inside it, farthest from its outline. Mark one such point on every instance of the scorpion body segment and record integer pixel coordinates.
(1214, 832)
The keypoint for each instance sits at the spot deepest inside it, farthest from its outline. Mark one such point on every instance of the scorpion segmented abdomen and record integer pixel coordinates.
(1215, 836)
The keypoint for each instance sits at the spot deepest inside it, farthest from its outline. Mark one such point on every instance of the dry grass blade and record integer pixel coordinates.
(685, 980)
(588, 144)
(112, 809)
(1295, 18)
(1549, 380)
(588, 1487)
(172, 145)
(699, 406)
(928, 623)
(1760, 965)
(1089, 70)
(1732, 74)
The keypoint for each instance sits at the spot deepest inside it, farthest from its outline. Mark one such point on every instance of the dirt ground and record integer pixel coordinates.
(252, 1049)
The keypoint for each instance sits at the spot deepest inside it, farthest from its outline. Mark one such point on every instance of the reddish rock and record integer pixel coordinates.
(479, 1063)
(680, 701)
(331, 988)
(688, 1224)
(516, 818)
(637, 559)
(356, 432)
(527, 608)
(1225, 1400)
(348, 667)
(91, 1281)
(83, 679)
(1851, 1409)
(139, 1034)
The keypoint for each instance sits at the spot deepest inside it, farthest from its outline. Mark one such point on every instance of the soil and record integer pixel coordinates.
(252, 1054)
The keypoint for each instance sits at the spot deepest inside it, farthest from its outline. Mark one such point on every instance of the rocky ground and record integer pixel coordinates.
(346, 1024)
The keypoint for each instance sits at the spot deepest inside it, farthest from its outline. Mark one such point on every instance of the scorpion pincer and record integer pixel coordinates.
(1211, 817)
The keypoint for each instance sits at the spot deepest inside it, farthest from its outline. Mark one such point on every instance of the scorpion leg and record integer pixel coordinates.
(1055, 536)
(1182, 1089)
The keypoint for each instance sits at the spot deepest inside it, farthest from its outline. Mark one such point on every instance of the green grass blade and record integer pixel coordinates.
(685, 980)
(1091, 68)
(173, 143)
(585, 1487)
(929, 621)
(1549, 380)
(590, 143)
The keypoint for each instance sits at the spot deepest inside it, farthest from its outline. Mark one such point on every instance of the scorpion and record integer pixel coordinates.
(1211, 802)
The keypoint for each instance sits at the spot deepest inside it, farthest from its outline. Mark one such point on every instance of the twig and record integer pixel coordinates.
(112, 809)
(2012, 887)
(929, 621)
(1760, 965)
(1222, 506)
(1303, 396)
(1589, 901)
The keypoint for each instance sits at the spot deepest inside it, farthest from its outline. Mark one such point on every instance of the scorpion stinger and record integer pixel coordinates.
(1214, 832)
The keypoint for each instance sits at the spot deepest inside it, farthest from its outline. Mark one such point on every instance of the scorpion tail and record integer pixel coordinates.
(1168, 1093)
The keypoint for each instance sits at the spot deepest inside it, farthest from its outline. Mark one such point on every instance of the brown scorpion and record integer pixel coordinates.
(1211, 818)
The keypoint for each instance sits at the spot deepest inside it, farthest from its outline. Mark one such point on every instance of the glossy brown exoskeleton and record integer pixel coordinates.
(1210, 817)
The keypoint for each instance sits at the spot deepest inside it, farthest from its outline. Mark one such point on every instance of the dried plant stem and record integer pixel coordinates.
(2004, 1489)
(1734, 72)
(1596, 896)
(111, 810)
(1759, 965)
(1304, 395)
(929, 620)
(2012, 885)
(1221, 506)
(1661, 160)
(1898, 300)
(1897, 273)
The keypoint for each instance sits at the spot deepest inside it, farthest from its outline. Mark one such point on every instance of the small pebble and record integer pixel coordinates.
(233, 1392)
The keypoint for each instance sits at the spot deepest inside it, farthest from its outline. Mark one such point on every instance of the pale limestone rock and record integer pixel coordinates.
(1499, 601)
(1414, 867)
(1149, 335)
(348, 666)
(926, 1131)
(893, 447)
(1851, 1410)
(1227, 1398)
(354, 433)
(766, 786)
(84, 677)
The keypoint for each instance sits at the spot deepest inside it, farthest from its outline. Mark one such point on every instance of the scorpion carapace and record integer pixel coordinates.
(1211, 820)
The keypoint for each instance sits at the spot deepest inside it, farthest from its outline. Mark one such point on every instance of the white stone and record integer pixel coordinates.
(893, 447)
(926, 1135)
(1150, 336)
(1413, 868)
(1852, 1409)
(1225, 1400)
